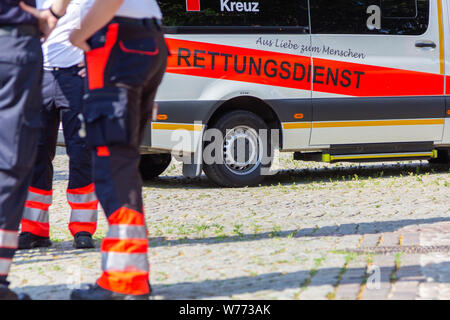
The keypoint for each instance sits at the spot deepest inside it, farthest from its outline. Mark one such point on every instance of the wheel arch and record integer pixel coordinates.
(252, 104)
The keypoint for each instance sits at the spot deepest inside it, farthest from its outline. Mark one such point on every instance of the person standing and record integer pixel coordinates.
(21, 26)
(126, 58)
(62, 92)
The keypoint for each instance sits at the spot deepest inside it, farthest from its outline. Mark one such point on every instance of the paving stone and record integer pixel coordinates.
(327, 231)
(370, 240)
(347, 229)
(348, 242)
(403, 296)
(410, 239)
(385, 262)
(324, 281)
(348, 291)
(428, 291)
(377, 294)
(264, 242)
(405, 290)
(390, 240)
(352, 279)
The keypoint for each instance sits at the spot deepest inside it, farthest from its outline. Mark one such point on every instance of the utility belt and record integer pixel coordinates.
(73, 69)
(21, 30)
(150, 23)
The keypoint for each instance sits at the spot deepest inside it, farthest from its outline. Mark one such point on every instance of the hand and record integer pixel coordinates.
(82, 73)
(77, 40)
(47, 22)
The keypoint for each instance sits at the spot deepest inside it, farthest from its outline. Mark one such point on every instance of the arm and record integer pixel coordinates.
(101, 13)
(59, 7)
(47, 21)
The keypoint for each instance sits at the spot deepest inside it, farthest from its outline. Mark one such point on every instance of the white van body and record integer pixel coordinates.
(372, 85)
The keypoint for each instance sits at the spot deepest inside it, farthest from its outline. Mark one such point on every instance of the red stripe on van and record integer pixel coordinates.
(447, 86)
(292, 71)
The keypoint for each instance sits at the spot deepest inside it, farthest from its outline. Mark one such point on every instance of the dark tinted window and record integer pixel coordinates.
(399, 9)
(277, 15)
(394, 17)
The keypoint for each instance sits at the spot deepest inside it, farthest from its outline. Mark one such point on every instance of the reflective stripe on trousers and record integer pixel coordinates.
(8, 240)
(5, 265)
(35, 216)
(84, 204)
(83, 218)
(124, 254)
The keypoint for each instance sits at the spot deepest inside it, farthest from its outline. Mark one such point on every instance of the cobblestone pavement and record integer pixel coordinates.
(314, 231)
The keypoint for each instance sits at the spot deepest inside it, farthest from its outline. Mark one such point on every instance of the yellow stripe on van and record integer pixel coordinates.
(382, 156)
(297, 125)
(177, 126)
(441, 37)
(330, 158)
(378, 123)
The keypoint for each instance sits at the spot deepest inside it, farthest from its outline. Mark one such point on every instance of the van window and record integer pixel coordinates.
(399, 9)
(229, 16)
(390, 17)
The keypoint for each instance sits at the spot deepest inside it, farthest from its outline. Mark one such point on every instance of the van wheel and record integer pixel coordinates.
(443, 157)
(241, 161)
(152, 165)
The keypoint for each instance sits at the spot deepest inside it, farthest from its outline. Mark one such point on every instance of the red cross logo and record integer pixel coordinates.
(193, 5)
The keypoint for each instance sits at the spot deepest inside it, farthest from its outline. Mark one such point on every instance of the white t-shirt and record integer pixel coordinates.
(140, 9)
(58, 51)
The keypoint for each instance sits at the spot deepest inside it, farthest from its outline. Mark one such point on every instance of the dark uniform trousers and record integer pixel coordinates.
(125, 67)
(20, 103)
(62, 94)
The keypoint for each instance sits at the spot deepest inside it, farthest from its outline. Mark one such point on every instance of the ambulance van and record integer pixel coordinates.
(335, 80)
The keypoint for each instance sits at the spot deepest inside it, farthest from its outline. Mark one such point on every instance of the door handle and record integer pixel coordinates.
(425, 44)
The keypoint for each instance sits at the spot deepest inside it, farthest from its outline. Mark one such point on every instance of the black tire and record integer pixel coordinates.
(247, 125)
(152, 165)
(443, 157)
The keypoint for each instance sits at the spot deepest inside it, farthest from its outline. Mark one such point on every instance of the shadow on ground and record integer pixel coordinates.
(65, 247)
(249, 284)
(278, 282)
(326, 231)
(312, 175)
(53, 254)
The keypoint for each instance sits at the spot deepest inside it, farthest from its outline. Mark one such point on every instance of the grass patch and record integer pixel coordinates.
(350, 256)
(397, 262)
(317, 263)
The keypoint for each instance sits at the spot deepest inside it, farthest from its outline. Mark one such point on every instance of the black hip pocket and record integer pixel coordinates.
(105, 113)
(135, 59)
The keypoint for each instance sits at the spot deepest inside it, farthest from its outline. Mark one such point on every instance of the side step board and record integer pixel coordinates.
(401, 156)
(372, 152)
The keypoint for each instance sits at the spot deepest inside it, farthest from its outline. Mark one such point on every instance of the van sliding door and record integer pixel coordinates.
(378, 71)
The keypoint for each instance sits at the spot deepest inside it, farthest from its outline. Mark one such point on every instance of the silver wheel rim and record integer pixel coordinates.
(242, 150)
